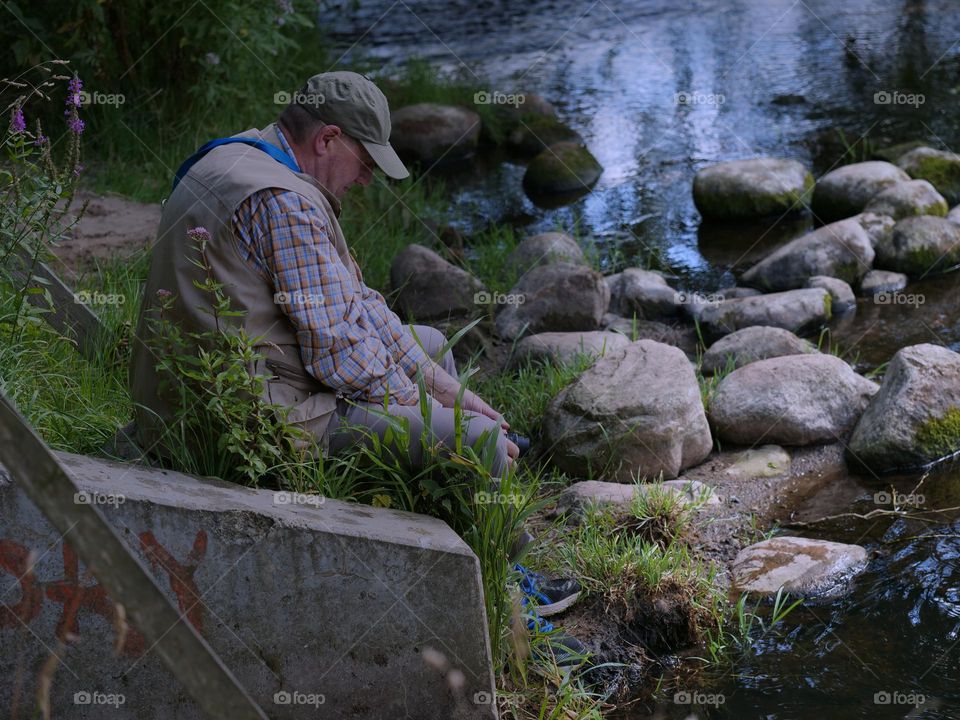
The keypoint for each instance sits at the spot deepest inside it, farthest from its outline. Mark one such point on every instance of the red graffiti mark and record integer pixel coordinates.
(181, 576)
(15, 559)
(75, 597)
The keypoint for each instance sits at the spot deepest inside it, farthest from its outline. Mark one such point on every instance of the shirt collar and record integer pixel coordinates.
(286, 147)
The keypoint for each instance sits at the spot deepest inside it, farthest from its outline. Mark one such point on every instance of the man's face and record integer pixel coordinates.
(349, 164)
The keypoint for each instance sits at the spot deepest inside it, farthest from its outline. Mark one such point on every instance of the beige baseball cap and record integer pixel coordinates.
(354, 104)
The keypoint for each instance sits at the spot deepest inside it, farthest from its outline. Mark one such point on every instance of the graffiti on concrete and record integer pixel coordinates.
(75, 597)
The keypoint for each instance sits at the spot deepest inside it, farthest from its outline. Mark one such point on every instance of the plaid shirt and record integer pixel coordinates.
(349, 339)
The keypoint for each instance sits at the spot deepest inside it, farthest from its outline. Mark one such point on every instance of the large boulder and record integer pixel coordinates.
(920, 246)
(563, 347)
(643, 293)
(789, 400)
(554, 298)
(940, 168)
(564, 167)
(842, 298)
(794, 310)
(846, 191)
(879, 227)
(751, 188)
(804, 567)
(841, 249)
(431, 133)
(751, 344)
(915, 418)
(543, 249)
(914, 197)
(637, 412)
(430, 288)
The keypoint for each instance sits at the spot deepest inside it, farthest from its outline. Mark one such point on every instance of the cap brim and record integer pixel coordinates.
(387, 159)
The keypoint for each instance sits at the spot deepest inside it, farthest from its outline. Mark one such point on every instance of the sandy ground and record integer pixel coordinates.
(111, 226)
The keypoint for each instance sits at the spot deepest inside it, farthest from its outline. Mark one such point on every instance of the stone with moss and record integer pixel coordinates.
(892, 153)
(845, 192)
(914, 420)
(564, 167)
(841, 249)
(920, 246)
(430, 133)
(799, 311)
(752, 188)
(914, 197)
(940, 168)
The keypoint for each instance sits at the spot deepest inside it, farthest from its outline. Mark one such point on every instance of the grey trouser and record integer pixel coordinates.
(354, 421)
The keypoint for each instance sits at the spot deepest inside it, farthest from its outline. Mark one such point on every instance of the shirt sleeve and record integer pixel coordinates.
(398, 339)
(288, 239)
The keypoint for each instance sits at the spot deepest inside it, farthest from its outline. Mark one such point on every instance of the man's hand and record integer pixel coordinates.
(471, 401)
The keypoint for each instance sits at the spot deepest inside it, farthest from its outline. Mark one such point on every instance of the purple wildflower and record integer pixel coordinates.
(74, 87)
(76, 125)
(41, 140)
(164, 295)
(17, 122)
(77, 169)
(199, 234)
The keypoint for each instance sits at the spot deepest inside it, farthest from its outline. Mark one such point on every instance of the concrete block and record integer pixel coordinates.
(320, 608)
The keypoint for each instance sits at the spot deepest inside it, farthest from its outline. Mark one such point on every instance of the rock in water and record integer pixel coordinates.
(916, 197)
(882, 281)
(915, 418)
(846, 191)
(430, 288)
(553, 298)
(565, 167)
(804, 567)
(841, 249)
(636, 412)
(841, 294)
(941, 169)
(752, 188)
(920, 246)
(789, 400)
(751, 344)
(431, 133)
(794, 310)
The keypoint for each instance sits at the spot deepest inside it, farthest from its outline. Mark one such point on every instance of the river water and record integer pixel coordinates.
(659, 89)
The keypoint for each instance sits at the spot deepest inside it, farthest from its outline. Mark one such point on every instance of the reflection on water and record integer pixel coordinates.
(753, 77)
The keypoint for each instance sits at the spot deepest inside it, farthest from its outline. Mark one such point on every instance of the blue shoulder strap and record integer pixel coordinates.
(271, 150)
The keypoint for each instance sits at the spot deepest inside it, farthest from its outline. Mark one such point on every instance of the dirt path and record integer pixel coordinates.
(112, 226)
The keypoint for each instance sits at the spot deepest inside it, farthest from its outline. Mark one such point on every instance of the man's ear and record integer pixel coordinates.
(324, 137)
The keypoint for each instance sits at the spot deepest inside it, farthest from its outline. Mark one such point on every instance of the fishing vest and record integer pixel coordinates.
(208, 196)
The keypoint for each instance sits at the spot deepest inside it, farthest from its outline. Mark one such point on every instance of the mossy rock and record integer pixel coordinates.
(535, 133)
(940, 168)
(564, 167)
(755, 187)
(920, 246)
(939, 437)
(914, 197)
(892, 153)
(846, 191)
